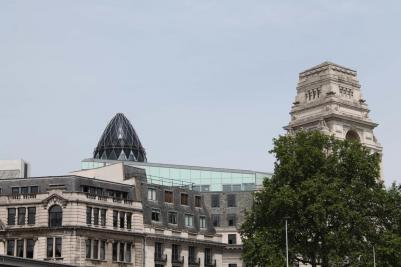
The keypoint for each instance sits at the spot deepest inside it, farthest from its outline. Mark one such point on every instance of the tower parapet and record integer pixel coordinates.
(329, 99)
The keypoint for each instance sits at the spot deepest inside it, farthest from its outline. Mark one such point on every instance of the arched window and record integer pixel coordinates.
(55, 216)
(352, 135)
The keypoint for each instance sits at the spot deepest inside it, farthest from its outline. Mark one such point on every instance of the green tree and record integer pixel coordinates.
(336, 209)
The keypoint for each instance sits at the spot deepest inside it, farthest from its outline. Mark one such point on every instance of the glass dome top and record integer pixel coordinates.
(119, 141)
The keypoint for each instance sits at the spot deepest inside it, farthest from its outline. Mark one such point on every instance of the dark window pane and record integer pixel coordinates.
(231, 218)
(192, 254)
(15, 190)
(10, 247)
(198, 201)
(184, 199)
(55, 216)
(11, 216)
(122, 219)
(96, 216)
(121, 252)
(20, 248)
(88, 215)
(103, 217)
(172, 217)
(231, 200)
(88, 244)
(208, 256)
(158, 250)
(50, 248)
(24, 190)
(115, 251)
(57, 252)
(102, 250)
(216, 219)
(34, 189)
(95, 249)
(175, 252)
(215, 201)
(29, 248)
(31, 215)
(129, 220)
(21, 216)
(155, 215)
(168, 196)
(128, 252)
(115, 219)
(232, 239)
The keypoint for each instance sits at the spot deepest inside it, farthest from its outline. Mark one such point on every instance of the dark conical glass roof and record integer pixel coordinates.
(119, 141)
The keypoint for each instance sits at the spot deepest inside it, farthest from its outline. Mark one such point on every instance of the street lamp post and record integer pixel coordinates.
(286, 239)
(374, 256)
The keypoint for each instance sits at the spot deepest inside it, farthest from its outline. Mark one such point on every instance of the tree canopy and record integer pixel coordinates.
(336, 207)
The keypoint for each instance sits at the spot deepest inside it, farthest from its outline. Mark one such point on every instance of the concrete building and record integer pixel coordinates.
(121, 210)
(14, 169)
(329, 99)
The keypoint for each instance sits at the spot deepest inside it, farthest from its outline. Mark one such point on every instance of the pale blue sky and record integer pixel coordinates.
(203, 82)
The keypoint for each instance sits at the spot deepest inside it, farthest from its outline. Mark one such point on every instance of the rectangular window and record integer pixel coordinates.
(115, 218)
(95, 216)
(129, 220)
(188, 220)
(95, 249)
(198, 201)
(34, 189)
(21, 216)
(191, 254)
(216, 220)
(232, 265)
(215, 201)
(122, 219)
(231, 219)
(168, 196)
(115, 246)
(158, 251)
(184, 199)
(20, 248)
(102, 250)
(29, 248)
(49, 250)
(231, 201)
(103, 217)
(232, 239)
(128, 252)
(172, 217)
(11, 216)
(152, 194)
(31, 215)
(121, 252)
(24, 190)
(15, 190)
(88, 245)
(57, 252)
(202, 222)
(155, 215)
(175, 253)
(88, 215)
(208, 256)
(10, 247)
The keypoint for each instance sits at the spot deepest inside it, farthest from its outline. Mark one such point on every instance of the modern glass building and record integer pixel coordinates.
(202, 178)
(120, 143)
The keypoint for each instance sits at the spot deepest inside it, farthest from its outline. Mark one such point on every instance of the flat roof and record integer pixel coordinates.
(178, 166)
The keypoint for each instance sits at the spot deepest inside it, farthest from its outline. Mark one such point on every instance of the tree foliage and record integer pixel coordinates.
(337, 210)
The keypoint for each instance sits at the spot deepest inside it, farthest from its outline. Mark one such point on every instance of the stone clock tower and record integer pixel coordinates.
(329, 100)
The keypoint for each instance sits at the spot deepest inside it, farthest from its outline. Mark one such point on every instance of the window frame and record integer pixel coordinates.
(184, 199)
